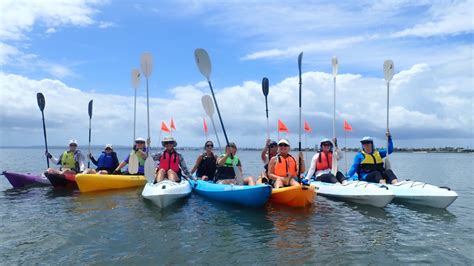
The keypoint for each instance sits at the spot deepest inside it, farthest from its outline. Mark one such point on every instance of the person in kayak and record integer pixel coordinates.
(368, 163)
(107, 162)
(205, 166)
(171, 164)
(321, 164)
(271, 148)
(283, 168)
(226, 163)
(140, 151)
(71, 160)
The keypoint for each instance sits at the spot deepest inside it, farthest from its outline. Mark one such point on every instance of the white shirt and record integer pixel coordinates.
(312, 168)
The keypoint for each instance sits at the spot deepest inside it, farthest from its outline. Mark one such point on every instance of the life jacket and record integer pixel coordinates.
(227, 170)
(207, 166)
(372, 162)
(169, 161)
(283, 166)
(105, 161)
(141, 161)
(324, 161)
(68, 160)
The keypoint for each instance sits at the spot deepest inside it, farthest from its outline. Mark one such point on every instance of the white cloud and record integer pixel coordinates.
(106, 24)
(7, 52)
(50, 31)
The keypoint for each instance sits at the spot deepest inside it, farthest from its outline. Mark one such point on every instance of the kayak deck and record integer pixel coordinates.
(166, 192)
(294, 196)
(95, 182)
(420, 193)
(20, 180)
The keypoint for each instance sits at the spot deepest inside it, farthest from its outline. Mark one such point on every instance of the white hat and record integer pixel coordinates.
(73, 141)
(108, 146)
(284, 141)
(140, 139)
(169, 139)
(367, 140)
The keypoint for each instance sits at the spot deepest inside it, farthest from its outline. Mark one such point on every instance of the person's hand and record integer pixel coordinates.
(48, 155)
(89, 155)
(388, 134)
(267, 142)
(148, 142)
(334, 140)
(305, 182)
(116, 172)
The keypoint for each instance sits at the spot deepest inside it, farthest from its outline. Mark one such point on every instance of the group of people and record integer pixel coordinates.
(280, 168)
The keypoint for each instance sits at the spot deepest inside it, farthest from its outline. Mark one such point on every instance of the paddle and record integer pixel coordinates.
(204, 64)
(265, 87)
(133, 163)
(41, 104)
(388, 69)
(209, 109)
(334, 156)
(300, 58)
(147, 67)
(90, 121)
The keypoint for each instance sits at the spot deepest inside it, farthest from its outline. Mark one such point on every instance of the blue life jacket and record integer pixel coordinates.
(105, 161)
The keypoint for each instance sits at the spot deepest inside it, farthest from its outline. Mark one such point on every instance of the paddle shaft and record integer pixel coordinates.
(134, 115)
(334, 111)
(89, 147)
(45, 140)
(388, 101)
(268, 132)
(299, 122)
(215, 132)
(147, 113)
(218, 112)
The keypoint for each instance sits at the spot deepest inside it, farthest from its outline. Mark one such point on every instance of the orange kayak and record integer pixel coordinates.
(294, 196)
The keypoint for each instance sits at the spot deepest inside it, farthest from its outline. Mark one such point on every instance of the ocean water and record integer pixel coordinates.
(43, 225)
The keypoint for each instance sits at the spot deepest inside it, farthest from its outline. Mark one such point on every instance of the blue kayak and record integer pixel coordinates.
(249, 196)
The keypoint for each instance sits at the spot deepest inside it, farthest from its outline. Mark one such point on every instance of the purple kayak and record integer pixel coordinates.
(19, 180)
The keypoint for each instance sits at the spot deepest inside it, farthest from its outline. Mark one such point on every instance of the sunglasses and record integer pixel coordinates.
(72, 145)
(108, 149)
(209, 145)
(272, 146)
(283, 145)
(168, 142)
(139, 142)
(326, 144)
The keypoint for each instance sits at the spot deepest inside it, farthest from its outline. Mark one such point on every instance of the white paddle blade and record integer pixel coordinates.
(203, 62)
(388, 69)
(150, 169)
(133, 164)
(335, 66)
(387, 164)
(334, 164)
(135, 78)
(146, 64)
(208, 105)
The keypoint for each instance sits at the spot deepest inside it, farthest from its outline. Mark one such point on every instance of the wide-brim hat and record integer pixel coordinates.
(169, 139)
(284, 141)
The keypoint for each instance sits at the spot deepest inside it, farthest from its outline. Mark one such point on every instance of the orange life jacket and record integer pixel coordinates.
(324, 161)
(285, 165)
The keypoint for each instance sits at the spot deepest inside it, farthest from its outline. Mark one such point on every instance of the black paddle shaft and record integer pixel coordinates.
(45, 140)
(300, 57)
(218, 113)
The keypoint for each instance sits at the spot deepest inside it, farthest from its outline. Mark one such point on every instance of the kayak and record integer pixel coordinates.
(248, 196)
(360, 192)
(423, 194)
(19, 180)
(94, 182)
(166, 192)
(294, 196)
(62, 181)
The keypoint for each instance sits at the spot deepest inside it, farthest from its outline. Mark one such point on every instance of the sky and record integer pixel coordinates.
(78, 50)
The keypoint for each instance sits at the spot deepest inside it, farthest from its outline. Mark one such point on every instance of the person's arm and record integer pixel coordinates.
(52, 159)
(221, 160)
(355, 165)
(264, 154)
(339, 154)
(157, 156)
(93, 160)
(196, 165)
(142, 153)
(312, 167)
(303, 166)
(271, 169)
(80, 161)
(182, 165)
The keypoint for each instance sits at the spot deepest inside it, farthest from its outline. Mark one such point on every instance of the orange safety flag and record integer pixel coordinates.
(206, 130)
(172, 124)
(307, 128)
(347, 127)
(164, 127)
(282, 127)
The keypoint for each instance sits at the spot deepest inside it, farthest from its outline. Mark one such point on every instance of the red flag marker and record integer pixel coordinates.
(307, 128)
(164, 127)
(347, 127)
(282, 127)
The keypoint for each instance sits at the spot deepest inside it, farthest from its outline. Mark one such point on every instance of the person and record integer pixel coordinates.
(321, 164)
(107, 162)
(171, 164)
(227, 163)
(71, 161)
(140, 150)
(368, 163)
(205, 166)
(283, 168)
(268, 152)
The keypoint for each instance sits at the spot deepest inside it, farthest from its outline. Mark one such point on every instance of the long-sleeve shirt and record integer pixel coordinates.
(360, 157)
(312, 169)
(182, 163)
(78, 157)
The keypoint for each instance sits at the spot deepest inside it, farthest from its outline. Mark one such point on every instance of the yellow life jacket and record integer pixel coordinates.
(141, 161)
(68, 160)
(372, 162)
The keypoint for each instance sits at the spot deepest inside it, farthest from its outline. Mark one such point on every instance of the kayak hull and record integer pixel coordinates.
(20, 180)
(360, 192)
(166, 192)
(294, 196)
(248, 196)
(96, 182)
(423, 194)
(62, 181)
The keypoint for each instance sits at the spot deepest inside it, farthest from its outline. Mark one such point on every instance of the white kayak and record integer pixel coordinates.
(360, 192)
(423, 194)
(166, 192)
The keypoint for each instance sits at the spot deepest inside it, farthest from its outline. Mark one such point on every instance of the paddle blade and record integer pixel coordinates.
(90, 109)
(41, 102)
(150, 169)
(208, 105)
(334, 164)
(335, 66)
(387, 164)
(135, 78)
(203, 62)
(300, 58)
(146, 64)
(133, 164)
(265, 86)
(388, 69)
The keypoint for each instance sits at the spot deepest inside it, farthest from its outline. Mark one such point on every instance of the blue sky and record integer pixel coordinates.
(74, 51)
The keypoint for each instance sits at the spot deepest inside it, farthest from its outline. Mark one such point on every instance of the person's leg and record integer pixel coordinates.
(204, 178)
(340, 177)
(327, 178)
(278, 183)
(293, 182)
(173, 176)
(374, 177)
(160, 175)
(53, 171)
(249, 181)
(390, 176)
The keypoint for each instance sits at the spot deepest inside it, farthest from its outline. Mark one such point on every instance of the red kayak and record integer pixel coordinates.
(67, 181)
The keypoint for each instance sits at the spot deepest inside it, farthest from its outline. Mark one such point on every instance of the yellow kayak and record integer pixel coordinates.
(94, 182)
(294, 196)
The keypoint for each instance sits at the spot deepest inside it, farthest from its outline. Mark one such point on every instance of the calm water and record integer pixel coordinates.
(42, 225)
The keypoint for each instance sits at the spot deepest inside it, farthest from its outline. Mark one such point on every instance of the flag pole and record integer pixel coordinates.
(345, 148)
